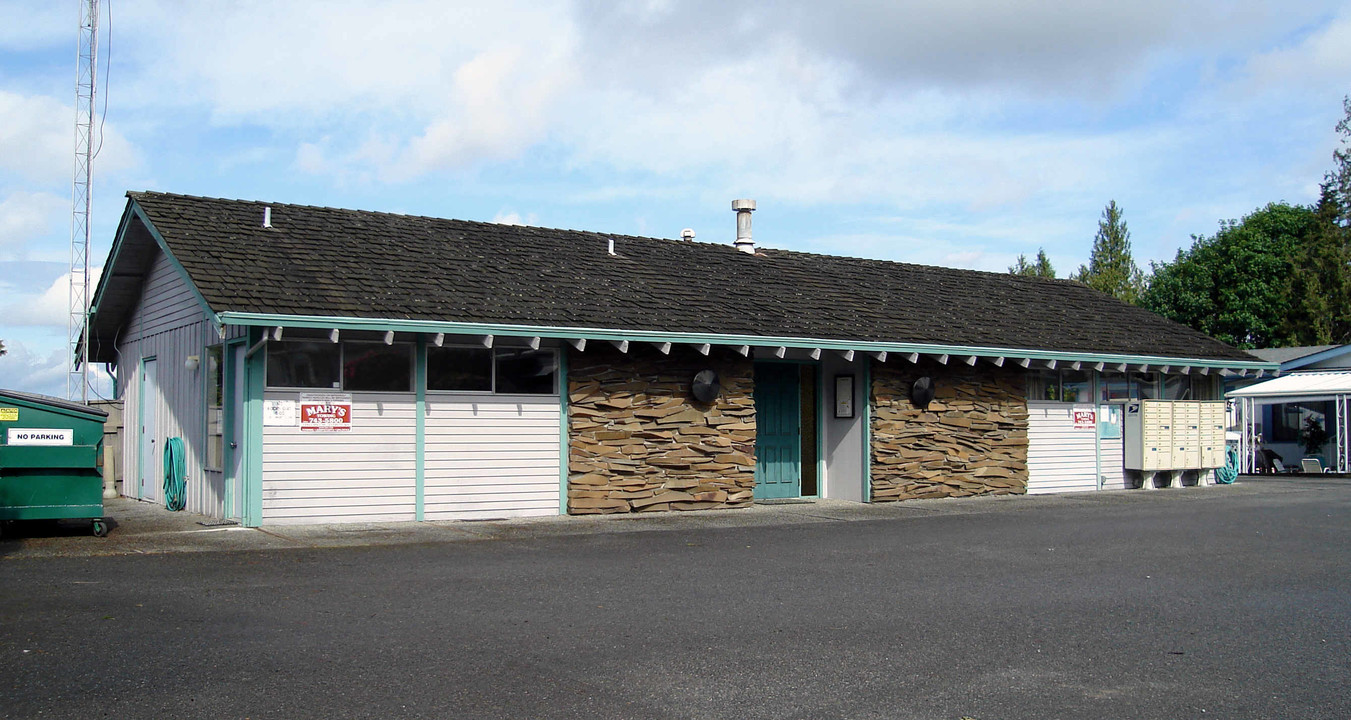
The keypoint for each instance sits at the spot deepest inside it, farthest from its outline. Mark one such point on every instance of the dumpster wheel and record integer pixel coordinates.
(100, 527)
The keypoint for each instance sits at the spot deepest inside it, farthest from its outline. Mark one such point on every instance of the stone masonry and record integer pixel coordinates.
(639, 441)
(971, 440)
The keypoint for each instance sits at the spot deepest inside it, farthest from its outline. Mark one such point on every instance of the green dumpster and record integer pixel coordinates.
(49, 459)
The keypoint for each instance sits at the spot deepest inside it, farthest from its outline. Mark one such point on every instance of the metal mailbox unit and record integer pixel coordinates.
(1173, 436)
(49, 455)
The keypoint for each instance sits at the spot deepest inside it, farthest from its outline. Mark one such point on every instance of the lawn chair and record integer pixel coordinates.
(1278, 467)
(1312, 465)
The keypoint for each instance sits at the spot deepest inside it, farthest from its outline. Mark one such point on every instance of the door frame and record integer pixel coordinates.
(233, 407)
(820, 418)
(142, 489)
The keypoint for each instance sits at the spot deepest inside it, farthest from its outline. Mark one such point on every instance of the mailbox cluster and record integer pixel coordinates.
(1174, 435)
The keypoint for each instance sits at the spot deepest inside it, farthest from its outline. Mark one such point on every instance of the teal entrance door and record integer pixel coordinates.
(778, 431)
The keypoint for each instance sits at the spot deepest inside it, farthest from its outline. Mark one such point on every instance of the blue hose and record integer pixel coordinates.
(1229, 473)
(175, 468)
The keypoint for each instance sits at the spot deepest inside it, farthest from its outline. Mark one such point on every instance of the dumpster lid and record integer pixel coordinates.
(50, 401)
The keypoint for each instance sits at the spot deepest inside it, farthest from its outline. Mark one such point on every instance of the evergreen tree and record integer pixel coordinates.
(1040, 268)
(1320, 281)
(1111, 269)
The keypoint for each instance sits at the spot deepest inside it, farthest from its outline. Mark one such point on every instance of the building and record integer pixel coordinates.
(1315, 386)
(327, 365)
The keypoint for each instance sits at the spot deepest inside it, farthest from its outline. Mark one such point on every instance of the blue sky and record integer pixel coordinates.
(959, 133)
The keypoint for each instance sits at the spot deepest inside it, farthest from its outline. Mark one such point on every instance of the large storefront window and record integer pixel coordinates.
(377, 367)
(528, 372)
(460, 368)
(300, 364)
(1061, 385)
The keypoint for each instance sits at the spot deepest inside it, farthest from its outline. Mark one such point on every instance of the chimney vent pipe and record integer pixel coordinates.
(743, 209)
(267, 216)
(687, 234)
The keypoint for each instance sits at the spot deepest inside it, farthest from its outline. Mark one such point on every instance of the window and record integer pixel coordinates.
(299, 364)
(524, 371)
(1145, 385)
(1060, 385)
(1076, 386)
(1115, 387)
(1177, 387)
(375, 366)
(458, 368)
(215, 423)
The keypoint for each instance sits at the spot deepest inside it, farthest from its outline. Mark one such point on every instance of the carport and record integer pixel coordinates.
(1333, 387)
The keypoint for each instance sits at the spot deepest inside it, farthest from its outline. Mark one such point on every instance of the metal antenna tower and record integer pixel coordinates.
(82, 194)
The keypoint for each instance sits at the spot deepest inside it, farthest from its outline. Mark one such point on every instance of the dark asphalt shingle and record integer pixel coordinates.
(360, 264)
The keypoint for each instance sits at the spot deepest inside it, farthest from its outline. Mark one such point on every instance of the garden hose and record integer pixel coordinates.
(175, 467)
(1229, 473)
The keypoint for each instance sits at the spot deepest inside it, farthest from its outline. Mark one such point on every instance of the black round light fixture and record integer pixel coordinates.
(705, 386)
(922, 392)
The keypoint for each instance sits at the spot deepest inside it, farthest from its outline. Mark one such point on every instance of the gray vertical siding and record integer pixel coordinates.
(168, 324)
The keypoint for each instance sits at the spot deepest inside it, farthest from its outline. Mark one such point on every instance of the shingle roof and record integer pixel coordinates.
(349, 263)
(1286, 354)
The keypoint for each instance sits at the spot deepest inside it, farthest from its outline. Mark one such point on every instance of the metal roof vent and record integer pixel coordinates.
(267, 216)
(743, 209)
(687, 234)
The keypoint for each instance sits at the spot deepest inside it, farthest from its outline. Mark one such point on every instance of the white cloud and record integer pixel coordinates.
(24, 370)
(30, 25)
(37, 140)
(49, 308)
(511, 217)
(1320, 57)
(27, 370)
(27, 218)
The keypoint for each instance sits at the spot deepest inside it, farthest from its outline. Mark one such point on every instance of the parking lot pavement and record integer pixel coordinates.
(147, 528)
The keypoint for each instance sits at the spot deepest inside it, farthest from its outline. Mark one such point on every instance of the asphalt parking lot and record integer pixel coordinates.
(1227, 602)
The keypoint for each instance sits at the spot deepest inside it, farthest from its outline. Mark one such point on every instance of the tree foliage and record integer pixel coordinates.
(1110, 268)
(1235, 285)
(1279, 277)
(1041, 267)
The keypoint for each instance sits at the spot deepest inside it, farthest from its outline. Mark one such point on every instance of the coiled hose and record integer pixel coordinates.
(1229, 473)
(175, 467)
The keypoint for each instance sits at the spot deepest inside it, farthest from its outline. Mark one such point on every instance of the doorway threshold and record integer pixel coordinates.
(785, 501)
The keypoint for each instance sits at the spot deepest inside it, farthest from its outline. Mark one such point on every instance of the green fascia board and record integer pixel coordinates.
(577, 333)
(133, 209)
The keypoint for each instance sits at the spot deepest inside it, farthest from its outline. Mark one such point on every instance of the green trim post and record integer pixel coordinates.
(820, 429)
(254, 378)
(563, 444)
(867, 430)
(421, 452)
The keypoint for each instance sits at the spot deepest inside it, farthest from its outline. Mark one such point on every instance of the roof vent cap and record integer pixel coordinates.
(743, 209)
(687, 234)
(267, 216)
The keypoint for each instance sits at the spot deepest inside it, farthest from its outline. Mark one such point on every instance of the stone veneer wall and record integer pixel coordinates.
(638, 440)
(971, 440)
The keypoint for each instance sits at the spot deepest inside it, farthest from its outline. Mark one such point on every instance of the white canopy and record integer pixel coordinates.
(1297, 387)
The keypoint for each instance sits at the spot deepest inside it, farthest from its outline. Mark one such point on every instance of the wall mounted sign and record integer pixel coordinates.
(40, 436)
(844, 396)
(279, 413)
(325, 412)
(1085, 417)
(9, 414)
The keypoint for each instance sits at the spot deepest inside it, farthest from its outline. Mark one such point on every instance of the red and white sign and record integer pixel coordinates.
(325, 412)
(1085, 418)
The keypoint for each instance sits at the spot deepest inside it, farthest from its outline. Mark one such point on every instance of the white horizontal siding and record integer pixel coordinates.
(366, 474)
(1113, 474)
(1060, 458)
(491, 456)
